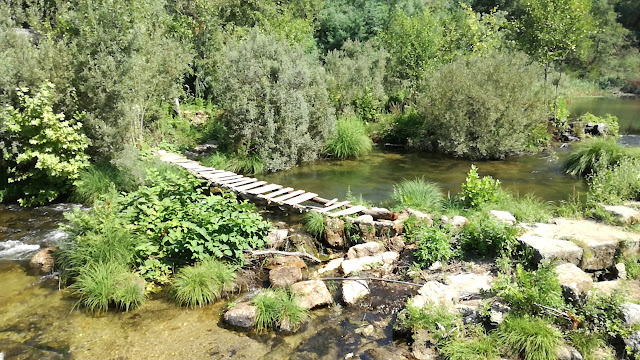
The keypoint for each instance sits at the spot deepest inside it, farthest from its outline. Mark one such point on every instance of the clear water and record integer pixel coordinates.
(627, 109)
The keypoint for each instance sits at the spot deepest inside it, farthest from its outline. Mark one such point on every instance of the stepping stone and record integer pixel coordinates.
(550, 249)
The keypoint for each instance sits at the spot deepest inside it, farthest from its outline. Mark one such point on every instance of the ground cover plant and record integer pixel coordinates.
(433, 244)
(276, 306)
(530, 337)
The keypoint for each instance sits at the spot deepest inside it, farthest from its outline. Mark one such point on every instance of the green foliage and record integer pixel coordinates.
(437, 319)
(523, 289)
(202, 283)
(481, 347)
(99, 180)
(489, 237)
(616, 184)
(594, 155)
(418, 194)
(42, 152)
(314, 224)
(602, 315)
(237, 163)
(277, 305)
(433, 244)
(586, 343)
(530, 337)
(101, 285)
(527, 208)
(274, 100)
(613, 128)
(349, 140)
(477, 191)
(355, 76)
(482, 107)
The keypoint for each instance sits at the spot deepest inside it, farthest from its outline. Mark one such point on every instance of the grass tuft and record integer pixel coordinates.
(97, 181)
(482, 347)
(350, 139)
(100, 285)
(531, 338)
(528, 208)
(418, 194)
(314, 224)
(277, 305)
(202, 283)
(594, 155)
(436, 319)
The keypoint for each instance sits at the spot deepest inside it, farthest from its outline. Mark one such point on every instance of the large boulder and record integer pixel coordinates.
(284, 276)
(334, 232)
(354, 290)
(552, 249)
(242, 315)
(312, 293)
(366, 249)
(43, 260)
(575, 282)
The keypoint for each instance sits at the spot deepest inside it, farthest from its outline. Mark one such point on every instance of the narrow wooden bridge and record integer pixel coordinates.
(252, 188)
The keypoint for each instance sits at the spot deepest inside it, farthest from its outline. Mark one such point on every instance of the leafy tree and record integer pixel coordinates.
(275, 102)
(629, 11)
(482, 107)
(42, 152)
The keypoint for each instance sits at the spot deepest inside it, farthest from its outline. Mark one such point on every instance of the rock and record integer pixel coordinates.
(423, 347)
(277, 237)
(331, 265)
(367, 219)
(367, 232)
(607, 287)
(469, 284)
(312, 293)
(599, 253)
(633, 342)
(43, 259)
(596, 129)
(621, 271)
(242, 315)
(380, 353)
(497, 312)
(279, 261)
(354, 290)
(284, 276)
(396, 244)
(566, 352)
(366, 249)
(334, 232)
(630, 314)
(575, 282)
(504, 216)
(552, 249)
(427, 219)
(444, 219)
(367, 262)
(470, 314)
(207, 147)
(286, 326)
(624, 215)
(436, 266)
(436, 293)
(365, 330)
(458, 221)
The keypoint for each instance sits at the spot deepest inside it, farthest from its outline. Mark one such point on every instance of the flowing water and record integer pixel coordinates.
(37, 321)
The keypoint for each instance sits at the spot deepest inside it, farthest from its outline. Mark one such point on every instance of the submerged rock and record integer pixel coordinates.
(242, 315)
(575, 282)
(354, 290)
(366, 249)
(312, 293)
(284, 276)
(43, 259)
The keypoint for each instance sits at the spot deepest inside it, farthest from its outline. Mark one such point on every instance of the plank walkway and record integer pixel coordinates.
(253, 188)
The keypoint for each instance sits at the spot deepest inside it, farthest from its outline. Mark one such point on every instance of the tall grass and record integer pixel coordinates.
(99, 180)
(527, 208)
(349, 140)
(616, 184)
(418, 194)
(482, 347)
(314, 224)
(277, 305)
(100, 285)
(202, 283)
(246, 164)
(594, 155)
(531, 338)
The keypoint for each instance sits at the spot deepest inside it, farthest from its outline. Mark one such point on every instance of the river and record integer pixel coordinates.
(37, 321)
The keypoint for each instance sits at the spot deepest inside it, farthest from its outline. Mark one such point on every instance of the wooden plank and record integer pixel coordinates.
(243, 182)
(349, 211)
(211, 171)
(226, 177)
(218, 175)
(276, 193)
(334, 206)
(230, 180)
(288, 196)
(248, 186)
(301, 198)
(264, 189)
(331, 202)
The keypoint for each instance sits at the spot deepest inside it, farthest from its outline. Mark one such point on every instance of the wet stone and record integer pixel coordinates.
(242, 315)
(354, 290)
(43, 260)
(312, 293)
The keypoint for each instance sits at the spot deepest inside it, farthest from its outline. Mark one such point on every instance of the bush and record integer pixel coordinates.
(350, 139)
(434, 244)
(610, 121)
(418, 194)
(602, 315)
(482, 107)
(436, 319)
(276, 306)
(489, 237)
(477, 191)
(314, 224)
(202, 283)
(591, 156)
(616, 184)
(523, 289)
(101, 285)
(274, 100)
(42, 152)
(529, 337)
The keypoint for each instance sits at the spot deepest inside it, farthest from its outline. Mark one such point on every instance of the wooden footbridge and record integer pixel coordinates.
(274, 194)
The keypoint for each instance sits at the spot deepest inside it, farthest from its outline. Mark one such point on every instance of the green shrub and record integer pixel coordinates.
(436, 319)
(524, 289)
(587, 343)
(528, 208)
(489, 236)
(42, 152)
(275, 306)
(593, 155)
(97, 181)
(274, 100)
(616, 184)
(477, 191)
(529, 337)
(481, 347)
(418, 194)
(100, 285)
(349, 140)
(481, 107)
(314, 223)
(202, 283)
(611, 121)
(433, 244)
(602, 315)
